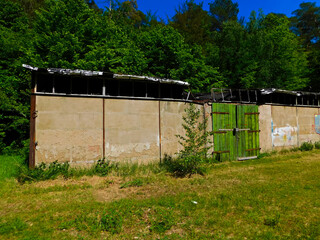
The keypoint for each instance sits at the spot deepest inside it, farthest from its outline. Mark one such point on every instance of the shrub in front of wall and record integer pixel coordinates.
(306, 146)
(103, 167)
(317, 145)
(53, 170)
(183, 166)
(195, 144)
(43, 172)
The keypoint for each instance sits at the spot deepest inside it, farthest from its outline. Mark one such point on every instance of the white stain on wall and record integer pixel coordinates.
(284, 136)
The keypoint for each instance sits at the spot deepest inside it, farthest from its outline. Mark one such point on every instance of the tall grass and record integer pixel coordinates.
(9, 166)
(100, 168)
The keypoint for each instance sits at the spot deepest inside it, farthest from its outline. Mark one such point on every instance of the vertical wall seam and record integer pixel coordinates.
(272, 127)
(212, 129)
(205, 127)
(298, 128)
(103, 129)
(160, 132)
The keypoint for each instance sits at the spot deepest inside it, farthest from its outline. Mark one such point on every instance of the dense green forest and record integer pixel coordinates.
(215, 48)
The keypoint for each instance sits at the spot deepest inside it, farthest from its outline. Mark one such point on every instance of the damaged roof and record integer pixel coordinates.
(267, 91)
(89, 73)
(260, 96)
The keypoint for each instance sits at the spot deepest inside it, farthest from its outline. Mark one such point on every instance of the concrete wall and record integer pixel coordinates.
(171, 125)
(306, 121)
(286, 127)
(265, 121)
(71, 129)
(68, 129)
(132, 130)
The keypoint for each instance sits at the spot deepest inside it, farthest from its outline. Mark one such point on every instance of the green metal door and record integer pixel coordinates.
(235, 131)
(224, 121)
(247, 131)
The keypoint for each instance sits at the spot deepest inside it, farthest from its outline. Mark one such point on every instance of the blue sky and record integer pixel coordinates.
(164, 8)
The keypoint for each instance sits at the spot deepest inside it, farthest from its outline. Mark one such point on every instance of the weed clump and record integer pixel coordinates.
(317, 145)
(181, 167)
(43, 172)
(111, 222)
(134, 183)
(272, 221)
(162, 220)
(306, 146)
(53, 170)
(103, 167)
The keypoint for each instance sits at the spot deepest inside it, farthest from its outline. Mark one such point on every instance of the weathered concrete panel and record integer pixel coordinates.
(306, 119)
(68, 129)
(265, 122)
(171, 124)
(284, 127)
(132, 130)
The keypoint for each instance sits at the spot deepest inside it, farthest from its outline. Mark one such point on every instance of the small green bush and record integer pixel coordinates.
(195, 143)
(306, 146)
(182, 167)
(317, 145)
(272, 221)
(103, 167)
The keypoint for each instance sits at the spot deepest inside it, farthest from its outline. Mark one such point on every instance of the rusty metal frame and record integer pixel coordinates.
(219, 113)
(252, 149)
(220, 151)
(241, 100)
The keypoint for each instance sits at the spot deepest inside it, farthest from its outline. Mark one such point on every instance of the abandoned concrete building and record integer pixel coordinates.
(81, 116)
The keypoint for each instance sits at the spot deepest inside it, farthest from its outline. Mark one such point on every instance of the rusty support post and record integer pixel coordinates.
(32, 146)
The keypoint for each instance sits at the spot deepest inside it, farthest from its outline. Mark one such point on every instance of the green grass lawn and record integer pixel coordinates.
(276, 197)
(9, 166)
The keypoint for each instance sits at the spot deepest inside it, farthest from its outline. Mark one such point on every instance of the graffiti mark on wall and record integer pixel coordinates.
(284, 136)
(317, 123)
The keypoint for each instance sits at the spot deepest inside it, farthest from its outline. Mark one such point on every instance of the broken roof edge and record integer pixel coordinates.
(89, 73)
(154, 79)
(267, 91)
